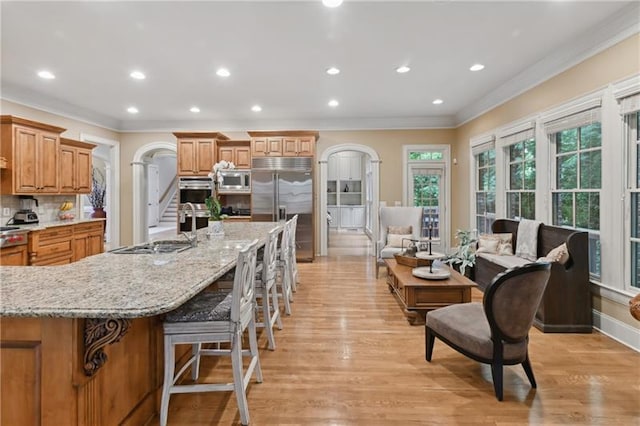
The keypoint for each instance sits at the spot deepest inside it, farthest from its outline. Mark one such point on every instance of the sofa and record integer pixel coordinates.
(566, 303)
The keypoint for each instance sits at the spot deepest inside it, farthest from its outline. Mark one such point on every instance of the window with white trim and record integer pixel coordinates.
(520, 182)
(577, 169)
(485, 187)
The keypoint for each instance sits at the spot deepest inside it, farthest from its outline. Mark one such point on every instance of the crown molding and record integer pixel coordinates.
(618, 27)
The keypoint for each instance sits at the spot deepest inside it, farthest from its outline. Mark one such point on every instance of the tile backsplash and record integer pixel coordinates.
(47, 210)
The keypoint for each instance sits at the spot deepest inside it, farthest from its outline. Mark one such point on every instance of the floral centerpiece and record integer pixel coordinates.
(213, 202)
(465, 254)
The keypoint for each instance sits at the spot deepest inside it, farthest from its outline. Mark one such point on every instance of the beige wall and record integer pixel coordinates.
(616, 63)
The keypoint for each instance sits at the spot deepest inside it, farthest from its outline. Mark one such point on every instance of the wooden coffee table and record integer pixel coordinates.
(418, 296)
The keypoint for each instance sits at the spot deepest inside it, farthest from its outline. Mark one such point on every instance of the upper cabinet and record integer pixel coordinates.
(76, 165)
(237, 152)
(350, 167)
(197, 152)
(283, 143)
(33, 152)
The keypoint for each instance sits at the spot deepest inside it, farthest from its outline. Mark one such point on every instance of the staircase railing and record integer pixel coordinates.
(168, 195)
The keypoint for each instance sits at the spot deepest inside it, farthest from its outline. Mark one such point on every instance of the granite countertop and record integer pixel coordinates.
(112, 285)
(44, 225)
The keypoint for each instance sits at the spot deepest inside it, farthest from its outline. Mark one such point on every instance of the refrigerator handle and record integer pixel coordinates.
(282, 213)
(276, 198)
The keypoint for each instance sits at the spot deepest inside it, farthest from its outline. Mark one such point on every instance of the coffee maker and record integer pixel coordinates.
(26, 215)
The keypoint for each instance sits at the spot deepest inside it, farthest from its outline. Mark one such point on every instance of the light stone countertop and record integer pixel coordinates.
(112, 285)
(44, 225)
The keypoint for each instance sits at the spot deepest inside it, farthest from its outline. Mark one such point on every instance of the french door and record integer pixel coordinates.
(426, 189)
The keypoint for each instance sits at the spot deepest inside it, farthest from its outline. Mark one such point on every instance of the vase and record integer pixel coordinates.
(98, 212)
(215, 228)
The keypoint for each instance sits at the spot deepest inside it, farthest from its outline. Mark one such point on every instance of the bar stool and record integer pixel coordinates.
(294, 262)
(266, 287)
(215, 317)
(284, 269)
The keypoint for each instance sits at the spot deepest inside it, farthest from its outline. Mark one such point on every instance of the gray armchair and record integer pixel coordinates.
(396, 216)
(495, 331)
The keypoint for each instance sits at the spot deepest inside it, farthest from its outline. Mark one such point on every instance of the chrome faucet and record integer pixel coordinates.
(193, 236)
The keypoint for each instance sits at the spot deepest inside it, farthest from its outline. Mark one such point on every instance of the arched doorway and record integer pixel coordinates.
(374, 161)
(141, 159)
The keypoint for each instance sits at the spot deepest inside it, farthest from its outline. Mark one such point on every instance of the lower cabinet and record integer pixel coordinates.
(335, 217)
(351, 217)
(60, 245)
(14, 256)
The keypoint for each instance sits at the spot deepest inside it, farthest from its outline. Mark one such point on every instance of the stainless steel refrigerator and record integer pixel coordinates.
(282, 187)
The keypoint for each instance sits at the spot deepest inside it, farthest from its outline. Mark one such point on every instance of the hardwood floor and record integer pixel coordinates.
(349, 243)
(347, 356)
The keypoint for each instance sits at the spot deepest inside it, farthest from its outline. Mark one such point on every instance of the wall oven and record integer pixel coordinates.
(194, 190)
(235, 182)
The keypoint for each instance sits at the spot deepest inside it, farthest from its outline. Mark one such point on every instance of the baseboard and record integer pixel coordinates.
(617, 330)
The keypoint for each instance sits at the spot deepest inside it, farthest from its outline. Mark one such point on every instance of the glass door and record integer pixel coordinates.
(426, 190)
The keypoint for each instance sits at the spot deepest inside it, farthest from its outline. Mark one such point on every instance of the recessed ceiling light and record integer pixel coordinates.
(132, 110)
(138, 75)
(437, 101)
(256, 108)
(223, 72)
(47, 75)
(403, 69)
(333, 71)
(194, 109)
(332, 3)
(476, 67)
(333, 103)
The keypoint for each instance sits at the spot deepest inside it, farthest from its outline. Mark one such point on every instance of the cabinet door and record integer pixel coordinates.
(243, 157)
(84, 167)
(290, 147)
(346, 217)
(25, 167)
(226, 153)
(205, 157)
(274, 147)
(14, 256)
(358, 217)
(79, 247)
(332, 168)
(259, 147)
(68, 169)
(355, 167)
(335, 217)
(49, 149)
(306, 146)
(186, 156)
(344, 168)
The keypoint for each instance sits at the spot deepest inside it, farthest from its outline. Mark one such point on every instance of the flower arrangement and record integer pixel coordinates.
(465, 254)
(213, 202)
(98, 189)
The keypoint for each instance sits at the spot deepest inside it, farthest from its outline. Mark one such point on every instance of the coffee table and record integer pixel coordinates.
(418, 296)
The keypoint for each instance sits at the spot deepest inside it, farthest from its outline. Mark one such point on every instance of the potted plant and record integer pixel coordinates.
(97, 194)
(465, 254)
(213, 202)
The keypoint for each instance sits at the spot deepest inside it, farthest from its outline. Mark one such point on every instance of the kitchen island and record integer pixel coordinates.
(81, 344)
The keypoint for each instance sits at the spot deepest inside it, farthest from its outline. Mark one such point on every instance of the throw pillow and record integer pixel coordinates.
(400, 230)
(559, 254)
(487, 244)
(505, 247)
(395, 240)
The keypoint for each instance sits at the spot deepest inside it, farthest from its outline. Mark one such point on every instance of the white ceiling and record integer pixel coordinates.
(277, 53)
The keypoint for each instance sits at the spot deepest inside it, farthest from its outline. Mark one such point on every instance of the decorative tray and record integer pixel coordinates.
(411, 260)
(427, 256)
(428, 273)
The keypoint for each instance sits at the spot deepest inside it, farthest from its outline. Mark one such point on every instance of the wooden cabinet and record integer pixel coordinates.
(33, 152)
(88, 239)
(63, 244)
(197, 152)
(237, 152)
(14, 256)
(284, 143)
(76, 165)
(298, 147)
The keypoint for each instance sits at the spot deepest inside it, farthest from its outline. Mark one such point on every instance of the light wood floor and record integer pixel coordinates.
(349, 243)
(347, 356)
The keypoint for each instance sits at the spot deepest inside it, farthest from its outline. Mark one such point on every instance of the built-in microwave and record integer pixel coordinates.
(235, 181)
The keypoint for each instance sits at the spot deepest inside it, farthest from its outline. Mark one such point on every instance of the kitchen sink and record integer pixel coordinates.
(161, 246)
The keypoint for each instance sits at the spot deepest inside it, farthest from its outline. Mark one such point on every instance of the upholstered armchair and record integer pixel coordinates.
(404, 217)
(496, 331)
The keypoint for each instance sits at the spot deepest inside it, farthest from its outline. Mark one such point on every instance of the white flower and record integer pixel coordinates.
(216, 170)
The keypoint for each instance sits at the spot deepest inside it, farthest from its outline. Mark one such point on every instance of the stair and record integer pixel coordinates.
(170, 215)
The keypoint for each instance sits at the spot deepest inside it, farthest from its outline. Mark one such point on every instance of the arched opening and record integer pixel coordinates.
(369, 186)
(143, 158)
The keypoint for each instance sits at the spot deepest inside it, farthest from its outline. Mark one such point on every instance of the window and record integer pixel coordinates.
(485, 191)
(427, 188)
(578, 180)
(634, 193)
(425, 155)
(521, 181)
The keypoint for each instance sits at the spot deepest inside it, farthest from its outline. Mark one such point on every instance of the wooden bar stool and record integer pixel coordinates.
(215, 317)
